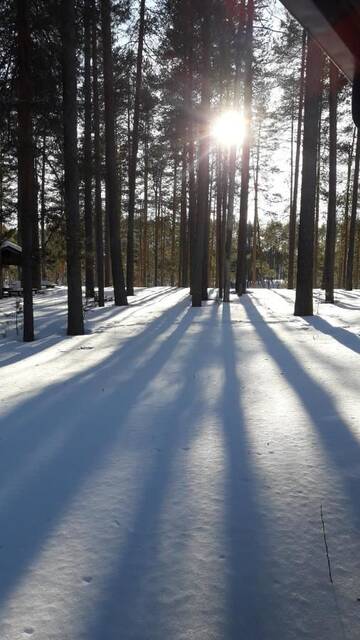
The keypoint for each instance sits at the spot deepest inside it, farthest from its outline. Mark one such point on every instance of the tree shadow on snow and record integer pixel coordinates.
(144, 579)
(251, 607)
(344, 337)
(47, 326)
(48, 449)
(341, 446)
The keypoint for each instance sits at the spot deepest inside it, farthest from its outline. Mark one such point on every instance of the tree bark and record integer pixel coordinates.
(36, 260)
(184, 252)
(173, 221)
(88, 213)
(43, 210)
(203, 167)
(245, 173)
(352, 229)
(331, 216)
(99, 233)
(146, 204)
(346, 213)
(219, 196)
(112, 187)
(318, 184)
(256, 211)
(133, 156)
(25, 160)
(71, 171)
(293, 207)
(304, 288)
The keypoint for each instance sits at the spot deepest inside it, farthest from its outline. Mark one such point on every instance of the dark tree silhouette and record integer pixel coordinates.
(25, 161)
(133, 156)
(112, 183)
(99, 242)
(331, 216)
(71, 171)
(304, 284)
(88, 213)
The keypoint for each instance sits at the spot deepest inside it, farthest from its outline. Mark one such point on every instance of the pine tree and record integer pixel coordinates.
(112, 187)
(304, 284)
(25, 161)
(71, 171)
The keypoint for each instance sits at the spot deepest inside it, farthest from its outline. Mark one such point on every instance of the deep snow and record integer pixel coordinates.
(162, 476)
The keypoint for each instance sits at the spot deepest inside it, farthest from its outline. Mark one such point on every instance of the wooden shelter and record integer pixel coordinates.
(11, 253)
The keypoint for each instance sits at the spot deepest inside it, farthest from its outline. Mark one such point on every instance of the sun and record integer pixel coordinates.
(228, 129)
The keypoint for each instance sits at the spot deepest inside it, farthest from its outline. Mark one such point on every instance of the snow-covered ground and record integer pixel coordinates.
(162, 477)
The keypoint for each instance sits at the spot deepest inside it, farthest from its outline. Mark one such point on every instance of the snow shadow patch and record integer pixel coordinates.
(251, 607)
(57, 439)
(345, 338)
(341, 446)
(143, 588)
(50, 324)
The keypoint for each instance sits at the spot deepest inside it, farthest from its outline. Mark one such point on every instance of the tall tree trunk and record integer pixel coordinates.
(36, 261)
(225, 191)
(191, 232)
(318, 185)
(88, 213)
(292, 152)
(331, 217)
(245, 173)
(293, 207)
(232, 154)
(107, 256)
(133, 156)
(346, 212)
(156, 233)
(229, 223)
(192, 205)
(43, 210)
(183, 253)
(256, 211)
(99, 237)
(304, 288)
(173, 222)
(219, 197)
(203, 168)
(146, 204)
(352, 229)
(162, 234)
(25, 160)
(112, 189)
(71, 171)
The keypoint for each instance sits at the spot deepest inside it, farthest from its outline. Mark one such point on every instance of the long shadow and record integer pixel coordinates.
(340, 444)
(344, 337)
(59, 392)
(50, 330)
(126, 601)
(250, 603)
(80, 423)
(347, 305)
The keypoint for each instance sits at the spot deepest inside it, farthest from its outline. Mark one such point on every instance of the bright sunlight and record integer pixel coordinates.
(228, 128)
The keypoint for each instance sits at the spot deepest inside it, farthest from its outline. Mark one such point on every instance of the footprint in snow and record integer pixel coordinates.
(87, 579)
(28, 631)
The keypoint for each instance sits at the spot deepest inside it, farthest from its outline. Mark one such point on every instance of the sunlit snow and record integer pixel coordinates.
(161, 477)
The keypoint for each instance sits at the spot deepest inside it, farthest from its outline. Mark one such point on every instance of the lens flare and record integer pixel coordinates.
(228, 128)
